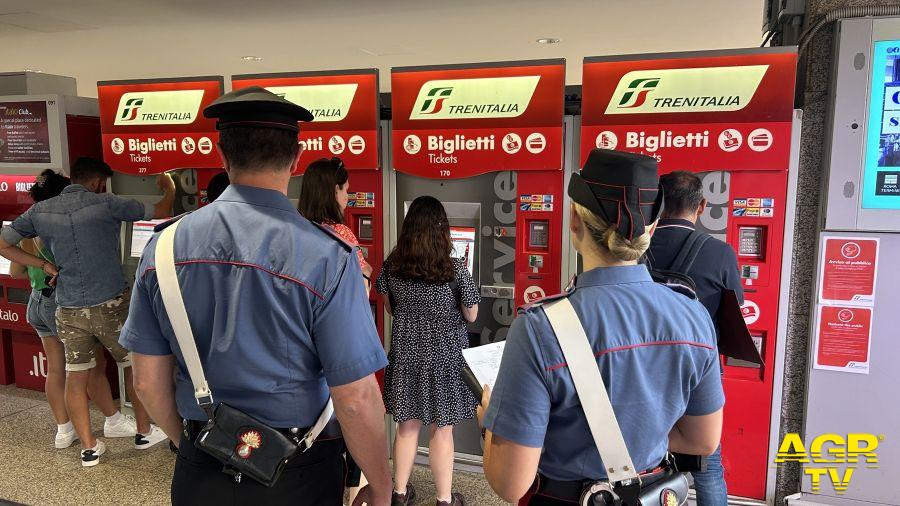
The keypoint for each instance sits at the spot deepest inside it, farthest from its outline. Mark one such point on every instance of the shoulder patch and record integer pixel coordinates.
(162, 226)
(331, 233)
(543, 300)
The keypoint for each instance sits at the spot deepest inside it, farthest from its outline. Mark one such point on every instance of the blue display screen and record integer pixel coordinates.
(881, 179)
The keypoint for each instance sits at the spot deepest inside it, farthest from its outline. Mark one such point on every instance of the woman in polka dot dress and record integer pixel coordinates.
(431, 297)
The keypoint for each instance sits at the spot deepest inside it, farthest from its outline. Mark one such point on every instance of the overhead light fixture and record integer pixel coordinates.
(547, 40)
(251, 58)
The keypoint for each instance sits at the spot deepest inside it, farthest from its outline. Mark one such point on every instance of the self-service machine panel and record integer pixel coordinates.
(486, 140)
(726, 115)
(345, 106)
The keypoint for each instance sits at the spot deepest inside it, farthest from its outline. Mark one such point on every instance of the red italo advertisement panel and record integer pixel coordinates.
(463, 120)
(726, 115)
(344, 104)
(154, 125)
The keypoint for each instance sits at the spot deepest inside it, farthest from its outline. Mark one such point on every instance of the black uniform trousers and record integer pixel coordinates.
(313, 478)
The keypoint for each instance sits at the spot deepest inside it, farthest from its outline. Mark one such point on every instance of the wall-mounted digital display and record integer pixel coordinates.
(880, 188)
(463, 239)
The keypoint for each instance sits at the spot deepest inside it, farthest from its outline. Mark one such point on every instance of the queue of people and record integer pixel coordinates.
(283, 330)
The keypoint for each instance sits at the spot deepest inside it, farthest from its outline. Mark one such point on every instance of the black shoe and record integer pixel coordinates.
(407, 499)
(456, 499)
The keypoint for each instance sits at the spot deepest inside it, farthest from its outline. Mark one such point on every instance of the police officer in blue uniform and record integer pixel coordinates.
(655, 347)
(279, 317)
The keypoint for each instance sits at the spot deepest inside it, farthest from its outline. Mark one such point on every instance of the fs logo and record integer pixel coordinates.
(131, 108)
(637, 91)
(832, 456)
(435, 100)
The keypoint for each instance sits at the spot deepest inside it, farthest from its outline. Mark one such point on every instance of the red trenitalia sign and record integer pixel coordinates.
(154, 125)
(697, 113)
(463, 120)
(345, 106)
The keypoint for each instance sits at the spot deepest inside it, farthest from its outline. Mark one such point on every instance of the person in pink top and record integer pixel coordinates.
(323, 199)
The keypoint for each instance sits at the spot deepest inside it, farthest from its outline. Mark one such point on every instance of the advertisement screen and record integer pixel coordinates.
(24, 133)
(464, 245)
(881, 188)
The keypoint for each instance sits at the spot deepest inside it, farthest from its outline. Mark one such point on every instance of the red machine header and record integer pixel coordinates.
(345, 106)
(154, 125)
(463, 120)
(723, 109)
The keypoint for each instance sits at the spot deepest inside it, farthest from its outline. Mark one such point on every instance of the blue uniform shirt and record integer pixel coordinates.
(657, 353)
(277, 306)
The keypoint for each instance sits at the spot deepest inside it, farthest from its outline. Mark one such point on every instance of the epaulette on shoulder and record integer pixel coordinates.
(162, 226)
(543, 300)
(331, 233)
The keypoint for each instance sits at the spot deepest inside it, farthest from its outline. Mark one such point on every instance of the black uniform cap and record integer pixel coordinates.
(622, 188)
(256, 107)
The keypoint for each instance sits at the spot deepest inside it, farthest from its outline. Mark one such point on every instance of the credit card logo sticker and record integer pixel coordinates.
(490, 97)
(686, 90)
(176, 107)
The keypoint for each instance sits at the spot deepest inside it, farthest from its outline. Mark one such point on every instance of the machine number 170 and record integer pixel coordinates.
(444, 173)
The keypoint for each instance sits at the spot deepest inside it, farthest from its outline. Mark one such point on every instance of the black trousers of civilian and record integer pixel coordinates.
(314, 478)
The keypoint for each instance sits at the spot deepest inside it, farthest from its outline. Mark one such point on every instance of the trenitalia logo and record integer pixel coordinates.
(326, 102)
(686, 90)
(491, 97)
(638, 90)
(435, 101)
(178, 107)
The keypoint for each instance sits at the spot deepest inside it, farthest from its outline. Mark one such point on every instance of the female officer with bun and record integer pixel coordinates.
(655, 347)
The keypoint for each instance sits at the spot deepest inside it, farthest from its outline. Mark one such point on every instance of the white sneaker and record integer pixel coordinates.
(126, 427)
(91, 456)
(65, 439)
(144, 441)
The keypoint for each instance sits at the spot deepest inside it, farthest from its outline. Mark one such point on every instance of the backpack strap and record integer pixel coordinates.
(689, 251)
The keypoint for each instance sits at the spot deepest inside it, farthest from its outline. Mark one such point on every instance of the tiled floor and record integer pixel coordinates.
(33, 472)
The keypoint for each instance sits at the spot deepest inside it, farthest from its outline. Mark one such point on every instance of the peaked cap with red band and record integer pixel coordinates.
(622, 188)
(256, 107)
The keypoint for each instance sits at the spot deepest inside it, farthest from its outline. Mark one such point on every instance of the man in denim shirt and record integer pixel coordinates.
(81, 227)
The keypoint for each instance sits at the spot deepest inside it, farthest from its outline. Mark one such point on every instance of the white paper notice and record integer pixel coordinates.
(4, 263)
(141, 233)
(485, 362)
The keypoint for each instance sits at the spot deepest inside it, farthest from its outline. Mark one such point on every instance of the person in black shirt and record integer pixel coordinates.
(714, 270)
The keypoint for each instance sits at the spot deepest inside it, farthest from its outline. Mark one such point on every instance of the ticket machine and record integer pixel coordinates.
(486, 140)
(150, 126)
(727, 115)
(42, 126)
(345, 106)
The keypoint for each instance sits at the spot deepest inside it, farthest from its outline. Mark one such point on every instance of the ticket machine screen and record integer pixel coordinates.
(463, 239)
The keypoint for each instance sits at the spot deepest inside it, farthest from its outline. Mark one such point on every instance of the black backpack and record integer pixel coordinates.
(676, 277)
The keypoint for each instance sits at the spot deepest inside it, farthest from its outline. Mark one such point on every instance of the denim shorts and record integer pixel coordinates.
(41, 313)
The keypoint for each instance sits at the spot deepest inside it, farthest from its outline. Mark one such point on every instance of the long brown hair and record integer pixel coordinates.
(317, 201)
(424, 247)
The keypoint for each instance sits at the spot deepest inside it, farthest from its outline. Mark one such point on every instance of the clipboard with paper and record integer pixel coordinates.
(481, 367)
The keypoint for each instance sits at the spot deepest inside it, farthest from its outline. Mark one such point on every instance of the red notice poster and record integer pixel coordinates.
(848, 270)
(843, 338)
(24, 134)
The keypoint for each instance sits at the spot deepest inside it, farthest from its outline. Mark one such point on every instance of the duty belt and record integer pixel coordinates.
(571, 490)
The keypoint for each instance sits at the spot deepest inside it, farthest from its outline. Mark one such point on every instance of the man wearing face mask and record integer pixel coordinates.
(81, 226)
